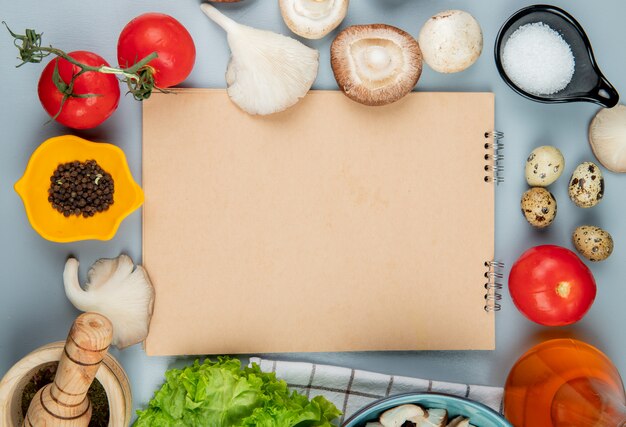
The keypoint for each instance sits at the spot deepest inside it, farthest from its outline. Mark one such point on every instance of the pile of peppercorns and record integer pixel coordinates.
(81, 188)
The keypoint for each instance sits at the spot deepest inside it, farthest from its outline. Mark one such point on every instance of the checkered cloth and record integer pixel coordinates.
(351, 389)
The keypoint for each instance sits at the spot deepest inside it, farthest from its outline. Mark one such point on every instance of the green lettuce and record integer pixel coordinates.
(222, 394)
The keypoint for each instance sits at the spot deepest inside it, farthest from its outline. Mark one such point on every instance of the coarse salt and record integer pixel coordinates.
(538, 60)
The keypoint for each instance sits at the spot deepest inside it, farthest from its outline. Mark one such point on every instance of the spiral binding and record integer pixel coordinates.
(494, 169)
(494, 275)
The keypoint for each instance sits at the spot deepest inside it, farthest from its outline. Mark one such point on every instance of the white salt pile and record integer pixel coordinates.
(538, 60)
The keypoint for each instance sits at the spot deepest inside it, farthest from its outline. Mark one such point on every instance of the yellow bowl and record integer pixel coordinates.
(51, 224)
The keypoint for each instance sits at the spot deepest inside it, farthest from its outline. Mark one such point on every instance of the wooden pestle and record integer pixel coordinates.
(64, 403)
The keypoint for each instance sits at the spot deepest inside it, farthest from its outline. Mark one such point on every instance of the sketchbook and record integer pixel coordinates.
(331, 226)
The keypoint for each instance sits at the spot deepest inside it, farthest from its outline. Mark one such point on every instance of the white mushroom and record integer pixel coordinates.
(119, 291)
(313, 19)
(375, 64)
(451, 41)
(267, 72)
(396, 417)
(607, 136)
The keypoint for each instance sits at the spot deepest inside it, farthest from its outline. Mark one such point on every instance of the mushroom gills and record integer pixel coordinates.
(268, 72)
(377, 61)
(118, 290)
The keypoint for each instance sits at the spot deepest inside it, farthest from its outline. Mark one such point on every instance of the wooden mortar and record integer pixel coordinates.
(110, 375)
(64, 402)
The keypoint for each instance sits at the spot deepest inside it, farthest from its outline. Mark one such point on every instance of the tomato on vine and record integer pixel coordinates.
(91, 97)
(160, 33)
(80, 89)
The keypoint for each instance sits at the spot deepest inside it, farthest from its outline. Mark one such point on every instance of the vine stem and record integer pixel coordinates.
(130, 73)
(139, 77)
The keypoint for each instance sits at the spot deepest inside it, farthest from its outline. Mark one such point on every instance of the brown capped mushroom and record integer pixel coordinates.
(375, 64)
(313, 19)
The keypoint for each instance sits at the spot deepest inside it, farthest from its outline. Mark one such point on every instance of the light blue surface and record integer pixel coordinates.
(33, 307)
(479, 414)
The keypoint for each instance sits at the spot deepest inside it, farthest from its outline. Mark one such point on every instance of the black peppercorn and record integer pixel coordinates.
(81, 189)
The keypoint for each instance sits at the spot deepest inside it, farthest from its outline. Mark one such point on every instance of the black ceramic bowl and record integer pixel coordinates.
(588, 83)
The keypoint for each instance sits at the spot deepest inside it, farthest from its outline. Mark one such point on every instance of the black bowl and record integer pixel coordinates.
(588, 83)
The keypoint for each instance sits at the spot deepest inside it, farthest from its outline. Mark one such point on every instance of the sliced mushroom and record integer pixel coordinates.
(373, 424)
(375, 64)
(313, 19)
(396, 417)
(434, 418)
(459, 422)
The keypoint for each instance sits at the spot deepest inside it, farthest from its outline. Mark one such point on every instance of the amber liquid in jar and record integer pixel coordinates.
(564, 383)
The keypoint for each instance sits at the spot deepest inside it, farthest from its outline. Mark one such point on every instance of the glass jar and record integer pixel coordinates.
(564, 383)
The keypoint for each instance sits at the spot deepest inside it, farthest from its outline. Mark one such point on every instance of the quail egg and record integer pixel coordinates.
(586, 186)
(544, 165)
(539, 207)
(593, 243)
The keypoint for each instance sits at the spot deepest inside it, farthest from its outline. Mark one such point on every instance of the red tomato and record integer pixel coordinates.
(551, 286)
(79, 113)
(157, 32)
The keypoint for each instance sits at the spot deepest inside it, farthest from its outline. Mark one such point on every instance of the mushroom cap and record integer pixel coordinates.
(375, 64)
(607, 137)
(313, 19)
(451, 41)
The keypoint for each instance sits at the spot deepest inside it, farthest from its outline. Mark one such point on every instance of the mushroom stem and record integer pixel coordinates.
(377, 57)
(73, 290)
(219, 18)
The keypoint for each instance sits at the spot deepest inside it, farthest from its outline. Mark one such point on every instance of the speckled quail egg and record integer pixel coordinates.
(586, 186)
(544, 165)
(593, 243)
(539, 207)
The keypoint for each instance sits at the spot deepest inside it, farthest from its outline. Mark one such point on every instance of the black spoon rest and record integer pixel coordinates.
(588, 83)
